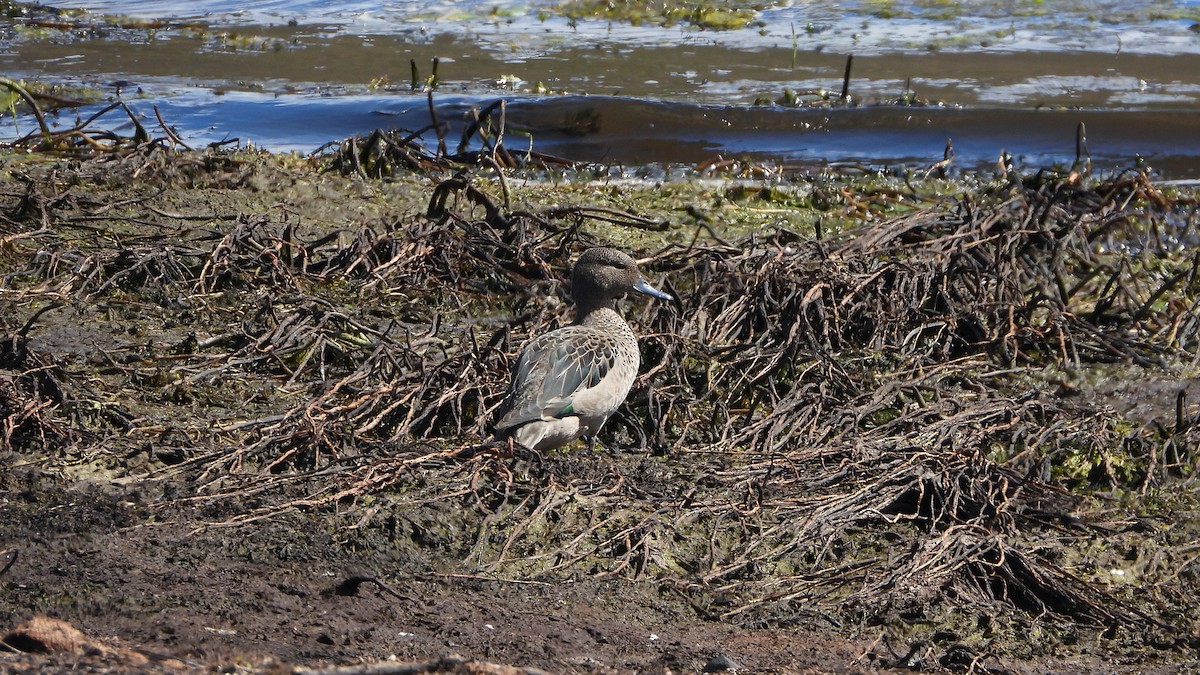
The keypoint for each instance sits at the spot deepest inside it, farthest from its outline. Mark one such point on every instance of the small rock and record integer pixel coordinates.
(721, 663)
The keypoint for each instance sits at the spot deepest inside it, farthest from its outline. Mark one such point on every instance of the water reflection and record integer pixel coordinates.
(625, 131)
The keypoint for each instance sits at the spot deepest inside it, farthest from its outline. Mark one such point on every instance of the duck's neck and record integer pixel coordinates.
(593, 314)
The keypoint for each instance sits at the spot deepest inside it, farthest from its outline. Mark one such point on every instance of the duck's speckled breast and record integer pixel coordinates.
(597, 403)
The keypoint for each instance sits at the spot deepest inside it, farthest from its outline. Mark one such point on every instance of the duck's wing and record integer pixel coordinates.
(552, 370)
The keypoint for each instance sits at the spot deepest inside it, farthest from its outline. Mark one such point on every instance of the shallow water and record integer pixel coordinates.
(1013, 75)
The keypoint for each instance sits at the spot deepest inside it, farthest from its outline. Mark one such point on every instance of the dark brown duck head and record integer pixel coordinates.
(601, 275)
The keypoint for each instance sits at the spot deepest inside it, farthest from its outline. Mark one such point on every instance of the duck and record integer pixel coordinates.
(569, 381)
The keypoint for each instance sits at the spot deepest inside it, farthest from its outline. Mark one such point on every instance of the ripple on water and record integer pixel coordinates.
(1130, 69)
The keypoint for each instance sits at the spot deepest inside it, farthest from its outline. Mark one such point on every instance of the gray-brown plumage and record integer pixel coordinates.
(568, 382)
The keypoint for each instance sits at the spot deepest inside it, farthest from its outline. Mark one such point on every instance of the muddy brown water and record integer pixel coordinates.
(993, 77)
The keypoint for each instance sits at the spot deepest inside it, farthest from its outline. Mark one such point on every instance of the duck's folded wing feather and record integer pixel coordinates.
(552, 370)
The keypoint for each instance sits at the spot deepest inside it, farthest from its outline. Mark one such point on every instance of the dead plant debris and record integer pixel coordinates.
(880, 424)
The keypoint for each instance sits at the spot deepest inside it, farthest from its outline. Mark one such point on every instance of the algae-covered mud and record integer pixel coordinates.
(891, 422)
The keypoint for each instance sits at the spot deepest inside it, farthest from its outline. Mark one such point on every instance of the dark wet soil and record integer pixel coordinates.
(163, 592)
(285, 592)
